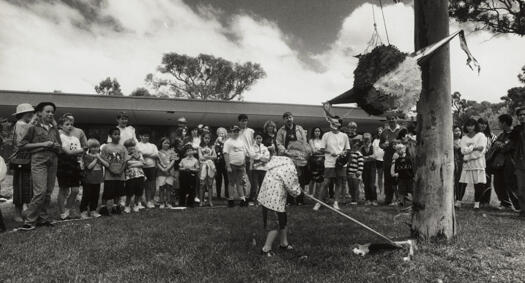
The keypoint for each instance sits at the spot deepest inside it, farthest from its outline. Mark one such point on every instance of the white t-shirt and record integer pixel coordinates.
(150, 150)
(236, 151)
(70, 143)
(334, 143)
(378, 151)
(246, 136)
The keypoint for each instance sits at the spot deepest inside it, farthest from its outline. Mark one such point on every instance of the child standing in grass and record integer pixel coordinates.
(281, 179)
(166, 173)
(189, 168)
(402, 169)
(114, 156)
(68, 170)
(262, 156)
(355, 170)
(235, 157)
(134, 176)
(207, 157)
(93, 177)
(150, 153)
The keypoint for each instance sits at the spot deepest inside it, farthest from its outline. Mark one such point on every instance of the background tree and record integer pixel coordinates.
(109, 87)
(203, 77)
(516, 96)
(499, 16)
(141, 91)
(462, 109)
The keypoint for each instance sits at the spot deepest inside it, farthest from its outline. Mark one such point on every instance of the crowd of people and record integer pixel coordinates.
(191, 166)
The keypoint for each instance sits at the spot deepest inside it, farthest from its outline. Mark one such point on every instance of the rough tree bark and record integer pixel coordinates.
(433, 211)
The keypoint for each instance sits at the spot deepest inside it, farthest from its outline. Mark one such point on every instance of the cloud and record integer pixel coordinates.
(50, 45)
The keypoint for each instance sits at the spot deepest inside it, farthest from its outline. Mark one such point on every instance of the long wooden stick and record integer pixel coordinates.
(390, 241)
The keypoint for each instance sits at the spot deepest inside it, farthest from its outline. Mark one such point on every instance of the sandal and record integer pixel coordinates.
(286, 248)
(269, 253)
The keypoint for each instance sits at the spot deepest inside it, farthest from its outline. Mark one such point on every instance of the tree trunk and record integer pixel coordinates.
(433, 210)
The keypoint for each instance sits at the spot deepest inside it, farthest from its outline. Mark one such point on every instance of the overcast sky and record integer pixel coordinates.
(305, 46)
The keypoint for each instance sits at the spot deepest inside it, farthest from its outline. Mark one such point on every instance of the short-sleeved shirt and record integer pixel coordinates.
(134, 172)
(94, 175)
(246, 136)
(333, 143)
(80, 135)
(69, 143)
(117, 155)
(236, 150)
(189, 164)
(150, 150)
(38, 133)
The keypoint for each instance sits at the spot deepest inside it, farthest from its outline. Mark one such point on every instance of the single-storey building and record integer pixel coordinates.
(96, 113)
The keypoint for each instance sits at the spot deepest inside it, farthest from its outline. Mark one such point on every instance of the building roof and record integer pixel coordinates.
(98, 109)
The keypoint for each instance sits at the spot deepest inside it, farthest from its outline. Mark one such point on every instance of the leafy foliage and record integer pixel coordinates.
(516, 96)
(203, 77)
(462, 109)
(109, 87)
(141, 91)
(499, 16)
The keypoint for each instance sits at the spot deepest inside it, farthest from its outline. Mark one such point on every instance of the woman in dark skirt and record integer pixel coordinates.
(21, 161)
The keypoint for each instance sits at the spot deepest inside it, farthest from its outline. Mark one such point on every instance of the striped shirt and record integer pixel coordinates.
(355, 164)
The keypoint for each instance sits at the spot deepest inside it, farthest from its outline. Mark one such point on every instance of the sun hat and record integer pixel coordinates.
(24, 108)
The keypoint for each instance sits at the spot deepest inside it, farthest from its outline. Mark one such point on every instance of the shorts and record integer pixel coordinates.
(113, 189)
(150, 173)
(135, 187)
(335, 172)
(237, 174)
(273, 220)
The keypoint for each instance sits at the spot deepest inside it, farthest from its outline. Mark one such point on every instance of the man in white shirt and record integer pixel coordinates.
(246, 136)
(235, 159)
(334, 144)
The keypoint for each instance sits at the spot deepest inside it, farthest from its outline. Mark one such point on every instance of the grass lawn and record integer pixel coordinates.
(217, 245)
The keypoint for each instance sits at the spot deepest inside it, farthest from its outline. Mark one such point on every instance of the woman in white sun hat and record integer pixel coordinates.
(20, 161)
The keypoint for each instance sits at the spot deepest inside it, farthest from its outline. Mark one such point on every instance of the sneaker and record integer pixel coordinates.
(374, 203)
(457, 204)
(95, 214)
(18, 219)
(476, 205)
(84, 215)
(64, 215)
(267, 253)
(317, 206)
(116, 210)
(336, 205)
(27, 227)
(394, 203)
(197, 200)
(169, 206)
(251, 203)
(127, 209)
(140, 206)
(150, 204)
(353, 203)
(300, 203)
(104, 211)
(136, 209)
(368, 203)
(162, 206)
